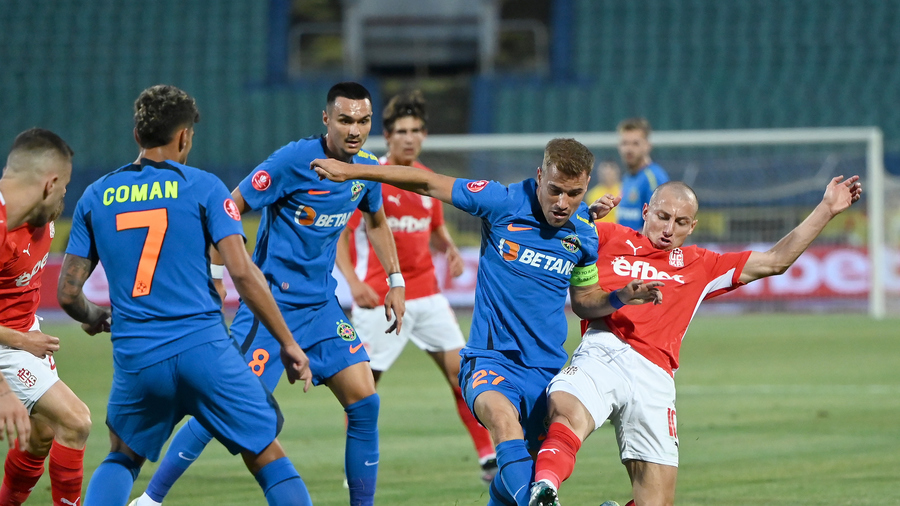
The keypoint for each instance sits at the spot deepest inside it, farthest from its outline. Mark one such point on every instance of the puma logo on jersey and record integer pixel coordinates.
(642, 270)
(635, 248)
(395, 199)
(512, 251)
(26, 250)
(24, 279)
(554, 451)
(409, 224)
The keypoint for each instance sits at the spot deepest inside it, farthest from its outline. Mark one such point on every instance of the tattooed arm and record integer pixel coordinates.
(75, 271)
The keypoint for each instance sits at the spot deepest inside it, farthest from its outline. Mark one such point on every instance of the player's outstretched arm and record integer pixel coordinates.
(251, 285)
(840, 194)
(215, 258)
(363, 294)
(13, 416)
(70, 295)
(382, 240)
(35, 342)
(412, 179)
(592, 302)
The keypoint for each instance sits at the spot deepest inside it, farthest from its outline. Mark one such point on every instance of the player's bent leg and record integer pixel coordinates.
(24, 467)
(570, 425)
(187, 445)
(501, 419)
(70, 420)
(69, 417)
(652, 484)
(112, 481)
(354, 387)
(276, 475)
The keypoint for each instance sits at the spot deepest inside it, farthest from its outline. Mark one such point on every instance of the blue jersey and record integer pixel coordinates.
(302, 219)
(151, 225)
(523, 273)
(636, 191)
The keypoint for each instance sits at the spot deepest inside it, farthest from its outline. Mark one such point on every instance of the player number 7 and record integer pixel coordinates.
(156, 221)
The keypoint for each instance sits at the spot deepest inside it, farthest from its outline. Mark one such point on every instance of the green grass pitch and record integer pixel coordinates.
(772, 409)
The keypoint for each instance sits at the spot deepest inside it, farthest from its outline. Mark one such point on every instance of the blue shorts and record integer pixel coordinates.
(323, 332)
(210, 382)
(525, 387)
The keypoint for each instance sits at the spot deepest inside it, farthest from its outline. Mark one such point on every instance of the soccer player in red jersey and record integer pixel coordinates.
(624, 368)
(417, 223)
(37, 170)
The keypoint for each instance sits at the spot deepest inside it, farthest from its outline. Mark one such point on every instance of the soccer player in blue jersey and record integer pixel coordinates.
(538, 244)
(642, 174)
(302, 219)
(152, 223)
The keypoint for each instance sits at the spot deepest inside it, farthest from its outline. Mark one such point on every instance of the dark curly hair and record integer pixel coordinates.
(160, 111)
(411, 103)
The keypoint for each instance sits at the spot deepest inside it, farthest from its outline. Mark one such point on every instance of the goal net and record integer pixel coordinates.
(754, 186)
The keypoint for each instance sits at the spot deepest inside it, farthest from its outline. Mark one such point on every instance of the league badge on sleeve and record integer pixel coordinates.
(476, 186)
(261, 180)
(231, 209)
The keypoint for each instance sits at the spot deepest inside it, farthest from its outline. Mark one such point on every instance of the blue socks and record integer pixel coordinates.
(361, 452)
(186, 446)
(112, 481)
(282, 484)
(512, 483)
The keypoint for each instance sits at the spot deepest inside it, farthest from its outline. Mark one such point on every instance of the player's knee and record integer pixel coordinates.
(75, 427)
(363, 415)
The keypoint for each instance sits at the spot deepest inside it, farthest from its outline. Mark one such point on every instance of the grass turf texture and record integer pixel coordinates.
(772, 409)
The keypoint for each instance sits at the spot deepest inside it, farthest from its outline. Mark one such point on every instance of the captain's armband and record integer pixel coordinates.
(584, 275)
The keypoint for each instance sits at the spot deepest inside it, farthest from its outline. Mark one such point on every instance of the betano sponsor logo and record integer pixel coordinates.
(512, 251)
(306, 216)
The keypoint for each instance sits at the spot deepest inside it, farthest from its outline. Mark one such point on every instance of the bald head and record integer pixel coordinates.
(36, 154)
(675, 190)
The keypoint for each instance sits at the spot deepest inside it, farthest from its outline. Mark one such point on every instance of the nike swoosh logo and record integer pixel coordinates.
(513, 228)
(371, 463)
(180, 454)
(319, 192)
(354, 349)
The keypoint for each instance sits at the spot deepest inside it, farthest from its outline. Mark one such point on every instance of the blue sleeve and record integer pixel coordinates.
(484, 199)
(590, 240)
(222, 215)
(273, 179)
(81, 236)
(372, 201)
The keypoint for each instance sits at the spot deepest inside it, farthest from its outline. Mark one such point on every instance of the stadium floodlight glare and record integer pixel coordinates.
(870, 137)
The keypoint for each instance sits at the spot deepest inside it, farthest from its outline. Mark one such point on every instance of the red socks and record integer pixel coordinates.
(480, 436)
(66, 474)
(21, 473)
(556, 458)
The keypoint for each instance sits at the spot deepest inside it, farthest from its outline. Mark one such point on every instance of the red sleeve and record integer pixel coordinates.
(720, 264)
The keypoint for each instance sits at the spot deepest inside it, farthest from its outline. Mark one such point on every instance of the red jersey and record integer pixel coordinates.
(412, 218)
(22, 258)
(691, 275)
